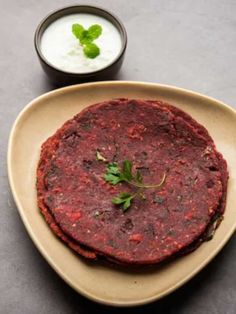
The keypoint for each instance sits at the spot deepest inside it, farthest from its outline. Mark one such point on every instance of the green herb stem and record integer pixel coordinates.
(147, 186)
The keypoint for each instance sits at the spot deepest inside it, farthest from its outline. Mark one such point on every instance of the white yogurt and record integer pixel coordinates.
(63, 50)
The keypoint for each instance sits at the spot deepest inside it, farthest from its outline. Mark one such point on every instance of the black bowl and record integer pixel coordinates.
(60, 77)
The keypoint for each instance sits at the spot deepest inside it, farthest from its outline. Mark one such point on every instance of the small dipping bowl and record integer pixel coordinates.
(61, 76)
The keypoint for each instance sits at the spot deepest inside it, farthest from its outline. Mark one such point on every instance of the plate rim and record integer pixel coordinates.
(34, 238)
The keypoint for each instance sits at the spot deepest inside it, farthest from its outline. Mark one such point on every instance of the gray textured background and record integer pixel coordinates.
(188, 43)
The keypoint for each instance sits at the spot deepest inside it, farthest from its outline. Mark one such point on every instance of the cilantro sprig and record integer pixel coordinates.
(114, 175)
(86, 38)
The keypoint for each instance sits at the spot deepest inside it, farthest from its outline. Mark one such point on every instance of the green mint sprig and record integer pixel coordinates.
(115, 175)
(86, 38)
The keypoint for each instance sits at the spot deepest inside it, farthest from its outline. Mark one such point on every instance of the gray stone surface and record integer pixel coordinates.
(188, 43)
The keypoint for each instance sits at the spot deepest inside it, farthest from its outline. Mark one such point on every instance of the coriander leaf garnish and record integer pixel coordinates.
(127, 170)
(123, 198)
(99, 156)
(86, 38)
(138, 177)
(113, 168)
(115, 175)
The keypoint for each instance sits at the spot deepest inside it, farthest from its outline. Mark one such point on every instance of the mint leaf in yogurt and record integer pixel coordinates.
(91, 50)
(95, 31)
(77, 30)
(86, 38)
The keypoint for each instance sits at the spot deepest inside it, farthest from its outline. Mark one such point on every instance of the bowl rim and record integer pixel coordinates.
(121, 29)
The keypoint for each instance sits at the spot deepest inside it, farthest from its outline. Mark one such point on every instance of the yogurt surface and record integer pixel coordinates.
(63, 50)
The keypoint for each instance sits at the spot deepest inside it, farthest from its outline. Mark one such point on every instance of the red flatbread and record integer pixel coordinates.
(157, 138)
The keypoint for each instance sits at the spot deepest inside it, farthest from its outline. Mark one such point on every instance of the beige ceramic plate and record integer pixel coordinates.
(104, 283)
